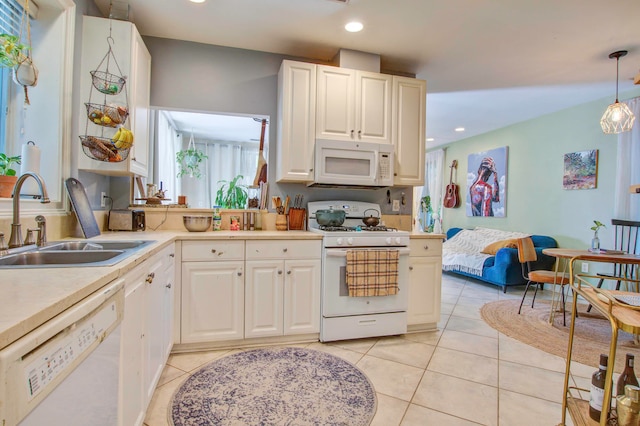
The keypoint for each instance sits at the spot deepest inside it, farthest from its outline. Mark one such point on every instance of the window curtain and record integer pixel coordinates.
(434, 165)
(627, 205)
(169, 141)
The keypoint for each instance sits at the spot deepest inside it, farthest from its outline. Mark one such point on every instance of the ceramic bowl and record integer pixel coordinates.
(197, 223)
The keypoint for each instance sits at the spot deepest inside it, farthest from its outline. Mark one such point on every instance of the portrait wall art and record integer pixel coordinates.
(487, 183)
(580, 170)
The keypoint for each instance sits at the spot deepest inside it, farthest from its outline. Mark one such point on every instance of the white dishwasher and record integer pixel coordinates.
(66, 372)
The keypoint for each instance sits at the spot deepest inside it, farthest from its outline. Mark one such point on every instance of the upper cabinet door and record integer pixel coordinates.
(373, 107)
(409, 103)
(336, 111)
(296, 121)
(353, 105)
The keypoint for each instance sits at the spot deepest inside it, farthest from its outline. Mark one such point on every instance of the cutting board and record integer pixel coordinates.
(81, 206)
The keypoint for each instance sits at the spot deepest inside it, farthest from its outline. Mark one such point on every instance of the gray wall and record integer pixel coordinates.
(201, 77)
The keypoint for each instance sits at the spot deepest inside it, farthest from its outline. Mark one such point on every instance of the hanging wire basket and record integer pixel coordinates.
(107, 115)
(103, 149)
(107, 83)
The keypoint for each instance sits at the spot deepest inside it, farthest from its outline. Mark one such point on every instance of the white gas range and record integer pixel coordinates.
(344, 316)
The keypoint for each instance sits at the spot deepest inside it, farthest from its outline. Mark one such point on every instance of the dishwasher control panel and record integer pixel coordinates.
(76, 340)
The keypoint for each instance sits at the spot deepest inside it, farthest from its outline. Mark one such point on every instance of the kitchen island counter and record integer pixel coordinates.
(30, 297)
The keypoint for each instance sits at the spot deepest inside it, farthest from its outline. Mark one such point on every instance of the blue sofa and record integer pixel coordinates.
(504, 269)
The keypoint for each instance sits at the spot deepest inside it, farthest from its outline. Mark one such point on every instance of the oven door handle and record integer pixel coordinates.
(403, 251)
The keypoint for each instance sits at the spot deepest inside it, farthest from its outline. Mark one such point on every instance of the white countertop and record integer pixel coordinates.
(30, 297)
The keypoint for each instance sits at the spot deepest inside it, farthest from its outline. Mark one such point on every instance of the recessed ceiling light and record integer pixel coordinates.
(430, 139)
(459, 129)
(354, 26)
(197, 1)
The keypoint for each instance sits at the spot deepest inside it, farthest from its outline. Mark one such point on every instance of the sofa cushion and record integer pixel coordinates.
(494, 247)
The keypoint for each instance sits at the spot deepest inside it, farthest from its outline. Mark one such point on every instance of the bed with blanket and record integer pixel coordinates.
(491, 255)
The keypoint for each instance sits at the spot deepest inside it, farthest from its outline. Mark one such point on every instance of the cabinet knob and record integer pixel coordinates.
(172, 255)
(284, 250)
(359, 134)
(168, 285)
(134, 158)
(239, 274)
(150, 277)
(351, 134)
(288, 272)
(426, 247)
(411, 268)
(279, 272)
(213, 251)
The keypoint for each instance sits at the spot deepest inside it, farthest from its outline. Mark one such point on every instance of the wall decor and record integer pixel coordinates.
(580, 170)
(487, 183)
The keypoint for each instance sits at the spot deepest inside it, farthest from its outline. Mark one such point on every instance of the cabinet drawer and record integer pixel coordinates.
(212, 250)
(425, 247)
(283, 249)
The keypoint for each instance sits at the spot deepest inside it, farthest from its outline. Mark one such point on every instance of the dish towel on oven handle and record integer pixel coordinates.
(372, 272)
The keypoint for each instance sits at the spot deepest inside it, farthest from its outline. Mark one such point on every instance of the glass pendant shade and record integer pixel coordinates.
(617, 118)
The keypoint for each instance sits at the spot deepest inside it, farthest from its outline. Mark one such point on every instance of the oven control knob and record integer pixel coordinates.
(350, 241)
(388, 241)
(397, 241)
(339, 241)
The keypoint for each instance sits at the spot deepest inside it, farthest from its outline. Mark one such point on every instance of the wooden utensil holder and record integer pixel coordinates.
(297, 218)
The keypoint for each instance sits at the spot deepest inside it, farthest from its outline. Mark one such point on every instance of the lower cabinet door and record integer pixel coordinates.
(263, 298)
(212, 301)
(424, 290)
(302, 296)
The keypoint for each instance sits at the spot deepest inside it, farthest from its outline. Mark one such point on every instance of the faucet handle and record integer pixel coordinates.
(4, 249)
(28, 240)
(42, 230)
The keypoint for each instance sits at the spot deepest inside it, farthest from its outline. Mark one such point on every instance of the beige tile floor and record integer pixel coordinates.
(465, 373)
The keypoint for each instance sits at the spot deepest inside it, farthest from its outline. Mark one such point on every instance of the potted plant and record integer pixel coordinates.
(595, 241)
(8, 175)
(189, 162)
(11, 50)
(231, 194)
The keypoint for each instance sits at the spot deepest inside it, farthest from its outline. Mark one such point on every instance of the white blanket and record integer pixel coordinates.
(462, 251)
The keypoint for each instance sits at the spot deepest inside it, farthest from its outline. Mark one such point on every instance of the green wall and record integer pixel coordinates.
(536, 201)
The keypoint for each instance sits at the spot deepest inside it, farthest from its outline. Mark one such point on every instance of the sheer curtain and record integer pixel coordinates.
(169, 141)
(434, 165)
(627, 205)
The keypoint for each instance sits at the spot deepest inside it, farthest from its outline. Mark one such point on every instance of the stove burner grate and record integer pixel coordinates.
(378, 228)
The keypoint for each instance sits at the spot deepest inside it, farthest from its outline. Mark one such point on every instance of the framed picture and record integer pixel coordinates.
(487, 183)
(580, 170)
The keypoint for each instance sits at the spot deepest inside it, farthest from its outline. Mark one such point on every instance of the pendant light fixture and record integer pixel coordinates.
(618, 117)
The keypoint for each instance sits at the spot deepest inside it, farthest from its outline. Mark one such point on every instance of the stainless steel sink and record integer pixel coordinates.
(67, 254)
(61, 258)
(95, 245)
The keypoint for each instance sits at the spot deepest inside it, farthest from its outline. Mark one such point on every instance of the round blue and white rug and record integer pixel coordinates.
(275, 386)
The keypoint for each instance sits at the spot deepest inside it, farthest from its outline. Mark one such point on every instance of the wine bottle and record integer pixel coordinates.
(597, 389)
(627, 377)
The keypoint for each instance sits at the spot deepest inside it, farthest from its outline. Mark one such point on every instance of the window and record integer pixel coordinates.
(10, 16)
(47, 121)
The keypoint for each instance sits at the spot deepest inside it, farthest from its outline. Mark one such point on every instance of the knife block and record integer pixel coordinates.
(297, 218)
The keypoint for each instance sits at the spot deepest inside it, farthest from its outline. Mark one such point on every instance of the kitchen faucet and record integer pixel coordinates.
(15, 240)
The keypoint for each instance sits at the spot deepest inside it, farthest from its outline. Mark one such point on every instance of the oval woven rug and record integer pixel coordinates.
(275, 386)
(592, 333)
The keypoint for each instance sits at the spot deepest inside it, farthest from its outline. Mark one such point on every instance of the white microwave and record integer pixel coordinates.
(351, 163)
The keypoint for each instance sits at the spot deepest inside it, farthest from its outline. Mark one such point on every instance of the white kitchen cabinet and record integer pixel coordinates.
(134, 62)
(425, 280)
(296, 121)
(353, 105)
(146, 333)
(159, 287)
(282, 288)
(212, 291)
(408, 128)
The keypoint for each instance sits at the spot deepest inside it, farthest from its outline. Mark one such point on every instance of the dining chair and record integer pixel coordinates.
(527, 256)
(625, 239)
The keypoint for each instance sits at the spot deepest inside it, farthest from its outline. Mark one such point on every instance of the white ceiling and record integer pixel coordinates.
(488, 63)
